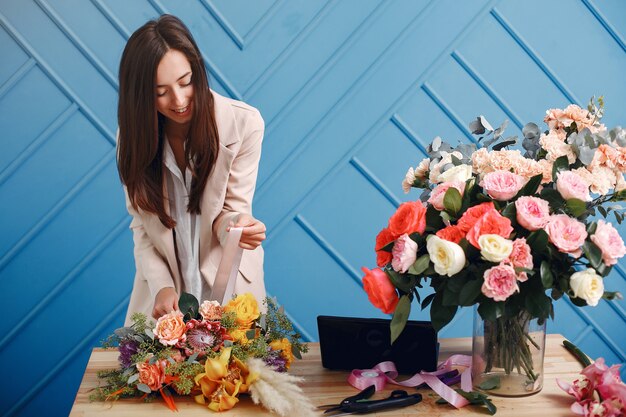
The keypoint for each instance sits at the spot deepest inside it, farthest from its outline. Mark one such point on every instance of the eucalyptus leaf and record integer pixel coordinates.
(476, 127)
(149, 333)
(296, 352)
(132, 378)
(400, 317)
(508, 142)
(188, 304)
(485, 123)
(144, 388)
(194, 356)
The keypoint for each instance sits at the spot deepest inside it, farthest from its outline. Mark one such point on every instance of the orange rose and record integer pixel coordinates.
(285, 347)
(410, 217)
(380, 291)
(472, 214)
(383, 238)
(492, 222)
(451, 234)
(153, 375)
(170, 328)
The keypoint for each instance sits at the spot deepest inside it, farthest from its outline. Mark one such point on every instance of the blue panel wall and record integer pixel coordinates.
(351, 92)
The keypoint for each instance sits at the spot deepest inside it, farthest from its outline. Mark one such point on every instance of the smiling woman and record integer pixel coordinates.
(188, 159)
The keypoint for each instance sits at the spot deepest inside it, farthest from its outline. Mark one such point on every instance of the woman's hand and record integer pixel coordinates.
(165, 301)
(253, 231)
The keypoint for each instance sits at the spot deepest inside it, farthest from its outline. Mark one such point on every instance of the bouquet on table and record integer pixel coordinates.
(507, 231)
(210, 352)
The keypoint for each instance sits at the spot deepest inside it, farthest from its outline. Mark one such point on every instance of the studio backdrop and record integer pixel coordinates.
(351, 92)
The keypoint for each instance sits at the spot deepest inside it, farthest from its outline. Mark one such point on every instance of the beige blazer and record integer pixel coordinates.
(228, 192)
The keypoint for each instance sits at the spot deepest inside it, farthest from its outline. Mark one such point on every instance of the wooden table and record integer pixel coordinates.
(324, 387)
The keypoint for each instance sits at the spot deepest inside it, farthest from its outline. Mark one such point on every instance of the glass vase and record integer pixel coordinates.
(507, 355)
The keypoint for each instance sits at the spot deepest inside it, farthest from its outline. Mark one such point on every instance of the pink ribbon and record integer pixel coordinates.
(386, 372)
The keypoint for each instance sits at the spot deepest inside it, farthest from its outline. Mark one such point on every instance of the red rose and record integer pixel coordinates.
(451, 234)
(383, 257)
(472, 214)
(492, 223)
(380, 291)
(409, 218)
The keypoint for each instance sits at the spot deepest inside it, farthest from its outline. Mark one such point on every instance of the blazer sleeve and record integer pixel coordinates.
(242, 177)
(150, 265)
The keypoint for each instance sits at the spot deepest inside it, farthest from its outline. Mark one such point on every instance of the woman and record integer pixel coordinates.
(188, 159)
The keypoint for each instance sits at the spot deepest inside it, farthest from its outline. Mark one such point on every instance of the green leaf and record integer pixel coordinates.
(489, 384)
(530, 188)
(576, 207)
(612, 295)
(440, 315)
(420, 265)
(470, 291)
(133, 378)
(561, 164)
(450, 298)
(510, 212)
(144, 388)
(296, 352)
(538, 305)
(400, 316)
(553, 197)
(455, 161)
(427, 300)
(388, 247)
(491, 310)
(188, 304)
(538, 240)
(547, 279)
(591, 228)
(433, 219)
(250, 334)
(593, 254)
(400, 281)
(452, 201)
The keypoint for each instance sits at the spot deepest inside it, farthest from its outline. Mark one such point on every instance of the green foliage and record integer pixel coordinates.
(474, 398)
(400, 317)
(452, 201)
(189, 306)
(440, 314)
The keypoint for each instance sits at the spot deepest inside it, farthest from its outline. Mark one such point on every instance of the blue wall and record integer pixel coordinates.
(351, 92)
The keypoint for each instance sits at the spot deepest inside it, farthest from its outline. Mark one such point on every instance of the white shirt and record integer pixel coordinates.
(187, 230)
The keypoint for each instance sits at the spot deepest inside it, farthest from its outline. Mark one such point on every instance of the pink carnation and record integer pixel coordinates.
(567, 234)
(571, 185)
(500, 282)
(437, 195)
(521, 257)
(404, 253)
(502, 185)
(609, 241)
(533, 213)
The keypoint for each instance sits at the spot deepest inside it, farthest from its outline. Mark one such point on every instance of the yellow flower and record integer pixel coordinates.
(224, 378)
(245, 308)
(285, 347)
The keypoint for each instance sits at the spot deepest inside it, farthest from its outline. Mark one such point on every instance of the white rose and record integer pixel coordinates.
(448, 257)
(458, 173)
(587, 285)
(495, 248)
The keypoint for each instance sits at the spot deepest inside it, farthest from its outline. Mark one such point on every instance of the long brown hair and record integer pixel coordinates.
(140, 142)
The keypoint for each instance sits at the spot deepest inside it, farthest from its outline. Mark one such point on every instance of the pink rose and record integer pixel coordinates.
(521, 257)
(571, 185)
(502, 185)
(609, 241)
(567, 234)
(533, 213)
(170, 328)
(500, 282)
(404, 253)
(437, 195)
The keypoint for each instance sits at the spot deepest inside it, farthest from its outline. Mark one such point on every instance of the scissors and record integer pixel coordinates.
(358, 404)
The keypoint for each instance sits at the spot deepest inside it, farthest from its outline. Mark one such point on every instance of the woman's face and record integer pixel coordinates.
(174, 89)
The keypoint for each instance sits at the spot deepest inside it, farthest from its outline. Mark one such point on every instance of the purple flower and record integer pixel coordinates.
(276, 360)
(127, 349)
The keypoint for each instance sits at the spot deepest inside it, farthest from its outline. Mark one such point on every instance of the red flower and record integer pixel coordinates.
(409, 218)
(380, 291)
(383, 238)
(451, 234)
(472, 214)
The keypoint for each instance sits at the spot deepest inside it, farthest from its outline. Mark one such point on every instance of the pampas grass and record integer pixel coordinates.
(279, 392)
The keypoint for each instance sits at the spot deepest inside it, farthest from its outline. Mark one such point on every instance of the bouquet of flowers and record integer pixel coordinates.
(507, 231)
(212, 353)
